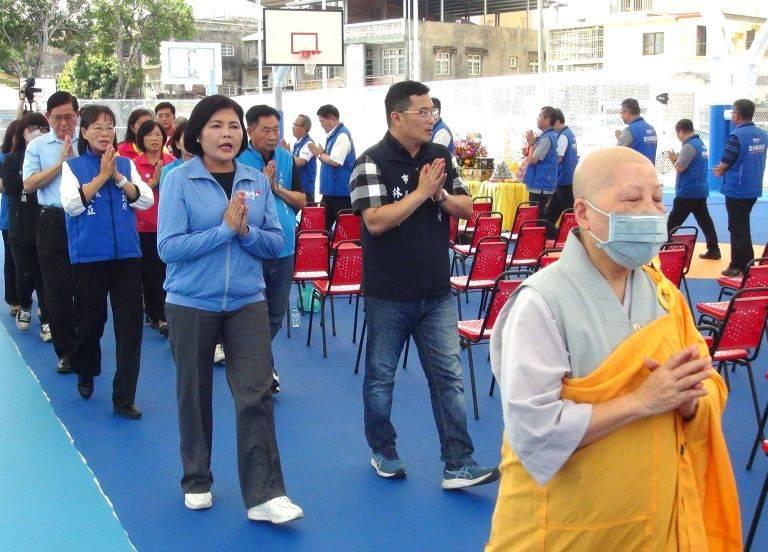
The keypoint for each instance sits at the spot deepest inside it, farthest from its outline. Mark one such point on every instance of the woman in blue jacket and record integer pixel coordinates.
(217, 220)
(99, 193)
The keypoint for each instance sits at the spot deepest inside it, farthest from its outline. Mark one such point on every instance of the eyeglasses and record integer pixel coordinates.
(42, 129)
(425, 112)
(69, 118)
(99, 128)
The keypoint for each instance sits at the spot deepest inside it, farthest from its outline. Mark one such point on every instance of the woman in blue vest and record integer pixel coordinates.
(99, 192)
(217, 221)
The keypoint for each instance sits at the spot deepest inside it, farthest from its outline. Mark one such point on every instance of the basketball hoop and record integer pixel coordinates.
(309, 64)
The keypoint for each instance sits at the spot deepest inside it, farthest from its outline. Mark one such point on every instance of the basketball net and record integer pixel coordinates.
(309, 64)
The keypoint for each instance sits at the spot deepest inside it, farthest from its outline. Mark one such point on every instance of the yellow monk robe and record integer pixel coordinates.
(654, 485)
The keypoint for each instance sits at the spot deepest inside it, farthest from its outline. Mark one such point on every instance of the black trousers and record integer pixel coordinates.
(561, 199)
(53, 254)
(9, 272)
(741, 235)
(310, 197)
(684, 206)
(192, 335)
(334, 204)
(152, 277)
(121, 280)
(29, 278)
(541, 199)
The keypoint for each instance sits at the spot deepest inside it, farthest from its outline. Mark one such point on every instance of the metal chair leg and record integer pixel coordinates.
(322, 318)
(687, 293)
(759, 436)
(755, 402)
(405, 356)
(311, 317)
(360, 345)
(458, 303)
(288, 320)
(756, 517)
(722, 369)
(468, 345)
(493, 385)
(354, 328)
(333, 317)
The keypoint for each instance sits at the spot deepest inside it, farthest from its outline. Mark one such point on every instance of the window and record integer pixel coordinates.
(513, 62)
(653, 44)
(393, 61)
(474, 66)
(227, 50)
(701, 40)
(443, 64)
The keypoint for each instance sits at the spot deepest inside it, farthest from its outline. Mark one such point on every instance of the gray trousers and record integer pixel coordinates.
(192, 335)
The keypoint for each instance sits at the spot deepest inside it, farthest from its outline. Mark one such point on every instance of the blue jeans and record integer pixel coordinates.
(432, 322)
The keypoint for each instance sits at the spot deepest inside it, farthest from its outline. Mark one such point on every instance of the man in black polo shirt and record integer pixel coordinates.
(406, 189)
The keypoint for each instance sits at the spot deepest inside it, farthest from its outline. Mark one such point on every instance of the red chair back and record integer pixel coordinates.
(567, 222)
(453, 230)
(745, 320)
(312, 253)
(312, 217)
(688, 236)
(527, 210)
(530, 242)
(756, 274)
(480, 204)
(490, 258)
(488, 224)
(347, 227)
(547, 257)
(501, 293)
(347, 264)
(673, 256)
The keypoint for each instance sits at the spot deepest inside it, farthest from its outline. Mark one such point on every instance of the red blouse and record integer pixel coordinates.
(146, 221)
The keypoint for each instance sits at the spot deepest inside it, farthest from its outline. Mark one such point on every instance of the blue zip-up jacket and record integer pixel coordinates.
(437, 127)
(567, 166)
(334, 181)
(543, 175)
(308, 172)
(106, 230)
(644, 139)
(284, 175)
(744, 179)
(692, 182)
(209, 266)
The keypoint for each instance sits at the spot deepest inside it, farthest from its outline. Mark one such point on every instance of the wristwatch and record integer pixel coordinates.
(443, 197)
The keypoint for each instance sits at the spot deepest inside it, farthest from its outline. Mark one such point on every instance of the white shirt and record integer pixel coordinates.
(341, 147)
(304, 152)
(73, 203)
(442, 137)
(562, 145)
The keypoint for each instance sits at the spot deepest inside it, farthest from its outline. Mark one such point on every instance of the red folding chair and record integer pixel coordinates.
(453, 230)
(312, 217)
(547, 257)
(480, 204)
(672, 258)
(311, 261)
(758, 507)
(526, 210)
(687, 235)
(487, 263)
(755, 275)
(567, 223)
(346, 279)
(488, 224)
(529, 245)
(474, 332)
(347, 227)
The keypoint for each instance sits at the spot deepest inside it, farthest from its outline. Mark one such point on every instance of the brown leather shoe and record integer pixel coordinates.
(731, 272)
(712, 254)
(131, 411)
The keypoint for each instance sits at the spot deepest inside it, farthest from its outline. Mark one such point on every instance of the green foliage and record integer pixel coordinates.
(89, 76)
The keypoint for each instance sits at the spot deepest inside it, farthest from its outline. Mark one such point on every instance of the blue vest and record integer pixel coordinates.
(543, 175)
(284, 176)
(106, 230)
(3, 205)
(440, 125)
(692, 182)
(570, 159)
(744, 179)
(644, 139)
(308, 172)
(334, 181)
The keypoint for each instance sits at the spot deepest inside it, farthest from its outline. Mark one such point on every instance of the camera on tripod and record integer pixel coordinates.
(28, 91)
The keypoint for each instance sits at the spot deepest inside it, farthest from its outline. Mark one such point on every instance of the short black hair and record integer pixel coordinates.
(10, 130)
(560, 115)
(90, 114)
(166, 105)
(328, 110)
(62, 97)
(684, 125)
(256, 112)
(200, 116)
(631, 105)
(745, 108)
(178, 130)
(32, 118)
(550, 113)
(436, 103)
(145, 128)
(306, 121)
(398, 96)
(135, 115)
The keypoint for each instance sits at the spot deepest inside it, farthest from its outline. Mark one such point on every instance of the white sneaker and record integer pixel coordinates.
(198, 501)
(278, 510)
(45, 332)
(218, 354)
(23, 318)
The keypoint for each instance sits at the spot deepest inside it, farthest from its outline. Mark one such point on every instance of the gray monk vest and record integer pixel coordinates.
(588, 314)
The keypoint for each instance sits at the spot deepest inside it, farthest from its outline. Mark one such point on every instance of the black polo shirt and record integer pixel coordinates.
(411, 261)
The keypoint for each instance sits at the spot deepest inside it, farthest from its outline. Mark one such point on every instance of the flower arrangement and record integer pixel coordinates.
(469, 149)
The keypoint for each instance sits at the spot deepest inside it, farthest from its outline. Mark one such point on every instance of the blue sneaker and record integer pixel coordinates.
(468, 476)
(389, 467)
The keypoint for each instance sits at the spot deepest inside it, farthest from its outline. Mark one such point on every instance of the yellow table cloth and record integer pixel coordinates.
(506, 194)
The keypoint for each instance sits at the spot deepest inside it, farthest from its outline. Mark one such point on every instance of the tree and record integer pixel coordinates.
(28, 28)
(89, 76)
(131, 29)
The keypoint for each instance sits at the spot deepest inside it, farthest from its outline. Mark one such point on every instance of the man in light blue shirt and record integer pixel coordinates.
(42, 174)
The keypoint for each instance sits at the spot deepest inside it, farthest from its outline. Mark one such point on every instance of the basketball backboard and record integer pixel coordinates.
(190, 63)
(290, 34)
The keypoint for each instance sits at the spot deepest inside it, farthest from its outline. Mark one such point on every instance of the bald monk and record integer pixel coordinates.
(612, 412)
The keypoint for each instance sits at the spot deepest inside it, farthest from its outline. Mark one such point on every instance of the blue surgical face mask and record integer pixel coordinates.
(633, 240)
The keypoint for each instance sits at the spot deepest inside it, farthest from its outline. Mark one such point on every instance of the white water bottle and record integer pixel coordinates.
(295, 318)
